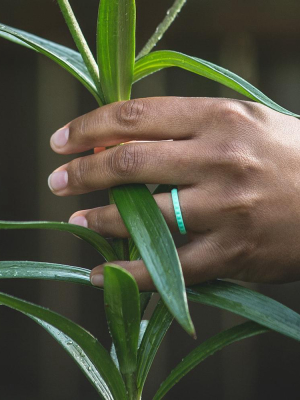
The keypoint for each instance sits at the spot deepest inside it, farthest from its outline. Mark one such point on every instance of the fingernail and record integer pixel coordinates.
(60, 137)
(79, 220)
(97, 280)
(58, 180)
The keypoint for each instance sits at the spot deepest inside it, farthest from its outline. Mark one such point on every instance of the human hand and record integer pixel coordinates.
(236, 164)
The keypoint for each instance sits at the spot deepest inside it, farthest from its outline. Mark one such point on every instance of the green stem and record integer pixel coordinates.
(130, 383)
(162, 27)
(81, 43)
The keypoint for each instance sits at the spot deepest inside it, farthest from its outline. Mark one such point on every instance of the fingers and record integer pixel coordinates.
(142, 119)
(163, 162)
(199, 264)
(107, 220)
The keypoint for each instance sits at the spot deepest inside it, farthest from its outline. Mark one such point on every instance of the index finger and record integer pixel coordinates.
(160, 118)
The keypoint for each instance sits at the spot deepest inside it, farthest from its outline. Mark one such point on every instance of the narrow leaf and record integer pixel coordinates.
(89, 236)
(42, 270)
(207, 349)
(80, 357)
(67, 58)
(154, 241)
(248, 304)
(92, 348)
(122, 306)
(116, 48)
(162, 27)
(158, 325)
(225, 295)
(80, 42)
(158, 60)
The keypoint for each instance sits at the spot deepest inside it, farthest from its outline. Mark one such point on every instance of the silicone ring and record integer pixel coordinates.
(177, 210)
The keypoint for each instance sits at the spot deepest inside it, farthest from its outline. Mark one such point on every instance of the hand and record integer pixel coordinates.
(237, 167)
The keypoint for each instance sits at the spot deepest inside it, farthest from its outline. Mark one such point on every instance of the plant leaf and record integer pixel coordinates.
(122, 307)
(158, 325)
(92, 348)
(158, 60)
(116, 48)
(89, 236)
(208, 348)
(248, 304)
(154, 241)
(67, 58)
(225, 295)
(80, 357)
(42, 270)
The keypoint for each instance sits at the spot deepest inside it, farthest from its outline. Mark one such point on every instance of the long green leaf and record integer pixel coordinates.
(67, 58)
(80, 357)
(158, 325)
(46, 271)
(116, 48)
(221, 294)
(92, 348)
(122, 307)
(158, 60)
(249, 304)
(154, 241)
(89, 236)
(207, 349)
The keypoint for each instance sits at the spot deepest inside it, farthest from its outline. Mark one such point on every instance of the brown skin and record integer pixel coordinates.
(237, 167)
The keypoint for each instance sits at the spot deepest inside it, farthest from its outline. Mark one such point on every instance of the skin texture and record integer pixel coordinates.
(236, 164)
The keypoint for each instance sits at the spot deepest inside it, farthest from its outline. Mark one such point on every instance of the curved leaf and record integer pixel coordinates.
(42, 270)
(89, 236)
(248, 304)
(67, 58)
(207, 349)
(116, 48)
(158, 325)
(158, 60)
(80, 357)
(225, 295)
(154, 241)
(92, 348)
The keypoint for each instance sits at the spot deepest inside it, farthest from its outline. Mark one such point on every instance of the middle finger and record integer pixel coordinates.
(155, 162)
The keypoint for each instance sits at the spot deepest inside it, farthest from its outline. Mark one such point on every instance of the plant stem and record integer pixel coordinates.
(130, 383)
(81, 43)
(162, 27)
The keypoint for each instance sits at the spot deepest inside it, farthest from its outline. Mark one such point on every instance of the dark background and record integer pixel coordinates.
(258, 40)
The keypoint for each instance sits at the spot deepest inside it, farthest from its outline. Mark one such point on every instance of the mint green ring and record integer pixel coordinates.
(177, 210)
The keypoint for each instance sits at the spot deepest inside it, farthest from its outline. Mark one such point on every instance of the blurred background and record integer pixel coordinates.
(259, 40)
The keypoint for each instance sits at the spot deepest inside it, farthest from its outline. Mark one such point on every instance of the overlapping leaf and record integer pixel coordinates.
(154, 241)
(89, 236)
(67, 58)
(116, 48)
(207, 349)
(249, 304)
(158, 325)
(97, 355)
(158, 60)
(122, 307)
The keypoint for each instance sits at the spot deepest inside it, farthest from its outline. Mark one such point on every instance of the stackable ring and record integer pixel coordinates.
(177, 210)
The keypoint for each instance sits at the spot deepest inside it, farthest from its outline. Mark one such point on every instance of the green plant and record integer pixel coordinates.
(134, 346)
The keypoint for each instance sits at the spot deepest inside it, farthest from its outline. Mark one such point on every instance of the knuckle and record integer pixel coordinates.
(79, 170)
(130, 113)
(236, 157)
(127, 160)
(234, 112)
